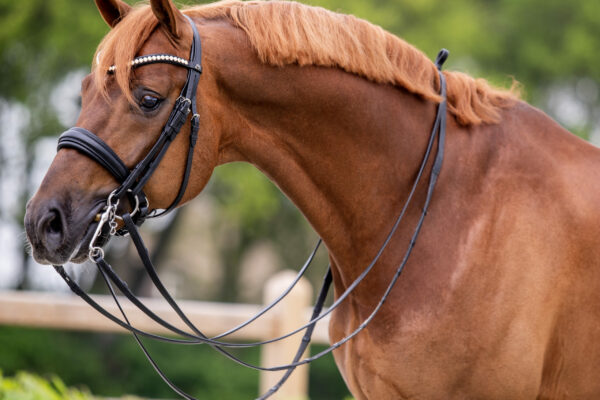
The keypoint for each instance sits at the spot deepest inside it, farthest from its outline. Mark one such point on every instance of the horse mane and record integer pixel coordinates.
(285, 32)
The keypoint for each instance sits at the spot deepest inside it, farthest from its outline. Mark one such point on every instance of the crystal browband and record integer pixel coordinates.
(159, 58)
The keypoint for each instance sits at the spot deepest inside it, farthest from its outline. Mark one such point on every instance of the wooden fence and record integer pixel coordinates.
(66, 311)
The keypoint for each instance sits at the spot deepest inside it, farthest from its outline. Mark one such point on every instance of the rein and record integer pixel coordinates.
(131, 185)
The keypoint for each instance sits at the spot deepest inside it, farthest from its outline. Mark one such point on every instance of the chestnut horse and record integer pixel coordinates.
(501, 296)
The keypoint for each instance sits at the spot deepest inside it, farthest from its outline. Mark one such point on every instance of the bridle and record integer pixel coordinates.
(133, 181)
(131, 186)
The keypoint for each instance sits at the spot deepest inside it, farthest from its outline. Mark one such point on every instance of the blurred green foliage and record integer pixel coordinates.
(27, 386)
(113, 365)
(40, 42)
(246, 196)
(259, 211)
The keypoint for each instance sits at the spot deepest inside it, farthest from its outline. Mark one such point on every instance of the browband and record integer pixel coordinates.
(161, 58)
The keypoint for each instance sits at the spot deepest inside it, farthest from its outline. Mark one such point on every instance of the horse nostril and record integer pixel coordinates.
(54, 226)
(51, 229)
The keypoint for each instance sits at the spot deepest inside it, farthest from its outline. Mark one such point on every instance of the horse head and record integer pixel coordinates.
(126, 108)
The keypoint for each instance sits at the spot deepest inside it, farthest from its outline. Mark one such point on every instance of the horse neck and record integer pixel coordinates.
(343, 149)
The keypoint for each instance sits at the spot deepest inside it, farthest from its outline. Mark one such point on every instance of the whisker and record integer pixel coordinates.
(26, 243)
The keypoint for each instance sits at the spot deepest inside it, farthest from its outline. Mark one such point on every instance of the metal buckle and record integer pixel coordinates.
(136, 208)
(183, 98)
(108, 216)
(185, 105)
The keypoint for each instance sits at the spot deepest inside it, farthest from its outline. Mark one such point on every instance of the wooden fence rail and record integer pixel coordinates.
(66, 311)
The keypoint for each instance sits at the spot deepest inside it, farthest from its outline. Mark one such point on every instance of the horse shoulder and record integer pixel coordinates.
(566, 244)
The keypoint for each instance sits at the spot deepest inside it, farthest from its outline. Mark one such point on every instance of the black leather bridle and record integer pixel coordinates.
(132, 183)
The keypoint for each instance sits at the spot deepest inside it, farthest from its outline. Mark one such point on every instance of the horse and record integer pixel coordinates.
(500, 298)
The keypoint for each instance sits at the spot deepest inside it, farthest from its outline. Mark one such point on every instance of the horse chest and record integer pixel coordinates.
(425, 354)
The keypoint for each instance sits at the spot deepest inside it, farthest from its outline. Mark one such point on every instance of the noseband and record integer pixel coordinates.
(132, 183)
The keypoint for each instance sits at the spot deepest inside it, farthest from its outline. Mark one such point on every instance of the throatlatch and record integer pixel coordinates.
(131, 186)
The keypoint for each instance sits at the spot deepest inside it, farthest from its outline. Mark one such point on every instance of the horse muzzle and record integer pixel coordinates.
(58, 232)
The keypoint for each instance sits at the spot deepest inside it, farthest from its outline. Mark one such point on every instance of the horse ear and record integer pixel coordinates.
(112, 11)
(168, 15)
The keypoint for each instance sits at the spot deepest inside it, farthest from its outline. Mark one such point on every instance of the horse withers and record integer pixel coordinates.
(500, 298)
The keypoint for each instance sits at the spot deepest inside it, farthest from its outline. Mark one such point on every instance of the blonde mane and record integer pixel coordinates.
(284, 32)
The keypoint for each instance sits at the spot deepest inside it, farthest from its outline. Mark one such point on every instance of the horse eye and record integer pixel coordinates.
(149, 103)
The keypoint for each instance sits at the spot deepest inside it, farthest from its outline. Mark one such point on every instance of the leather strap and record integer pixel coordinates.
(132, 182)
(95, 148)
(190, 93)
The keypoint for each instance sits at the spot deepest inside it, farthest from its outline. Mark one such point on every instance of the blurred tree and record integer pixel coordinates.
(258, 210)
(40, 42)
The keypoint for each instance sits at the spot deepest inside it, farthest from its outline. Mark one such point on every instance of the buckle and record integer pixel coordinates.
(107, 217)
(177, 117)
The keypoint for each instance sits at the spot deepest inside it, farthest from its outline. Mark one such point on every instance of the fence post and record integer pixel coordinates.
(288, 315)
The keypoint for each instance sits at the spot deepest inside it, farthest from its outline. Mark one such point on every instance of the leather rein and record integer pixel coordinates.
(131, 186)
